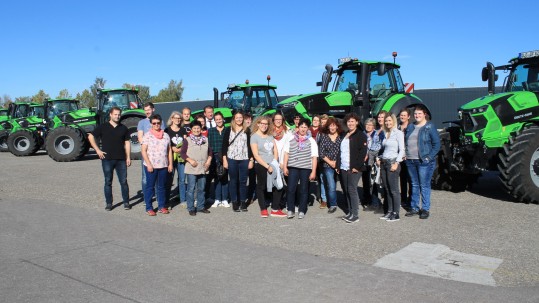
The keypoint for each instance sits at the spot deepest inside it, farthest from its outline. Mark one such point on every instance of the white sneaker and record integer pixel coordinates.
(216, 203)
(224, 203)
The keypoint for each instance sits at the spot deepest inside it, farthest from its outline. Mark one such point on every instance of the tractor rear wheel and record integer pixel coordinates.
(519, 165)
(3, 141)
(23, 143)
(65, 144)
(131, 123)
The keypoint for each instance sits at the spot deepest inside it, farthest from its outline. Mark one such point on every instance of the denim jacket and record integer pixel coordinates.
(428, 141)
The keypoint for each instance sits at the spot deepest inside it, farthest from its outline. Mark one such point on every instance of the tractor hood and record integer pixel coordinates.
(331, 103)
(503, 102)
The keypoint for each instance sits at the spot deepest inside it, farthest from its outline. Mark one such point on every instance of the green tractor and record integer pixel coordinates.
(363, 87)
(67, 139)
(499, 131)
(15, 118)
(257, 99)
(3, 114)
(26, 135)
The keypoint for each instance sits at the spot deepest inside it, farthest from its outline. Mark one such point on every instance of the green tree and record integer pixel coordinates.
(5, 101)
(25, 99)
(99, 83)
(173, 92)
(143, 91)
(86, 99)
(64, 94)
(40, 97)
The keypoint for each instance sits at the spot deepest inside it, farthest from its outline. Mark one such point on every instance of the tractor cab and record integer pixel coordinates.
(523, 74)
(59, 106)
(253, 98)
(37, 111)
(125, 98)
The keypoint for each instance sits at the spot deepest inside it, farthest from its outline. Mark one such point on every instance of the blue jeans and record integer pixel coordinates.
(328, 179)
(121, 171)
(182, 187)
(322, 185)
(238, 171)
(295, 175)
(420, 177)
(198, 181)
(221, 188)
(157, 178)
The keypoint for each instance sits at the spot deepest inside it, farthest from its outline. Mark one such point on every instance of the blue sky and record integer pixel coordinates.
(55, 45)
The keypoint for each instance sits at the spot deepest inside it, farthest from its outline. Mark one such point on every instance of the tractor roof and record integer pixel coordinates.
(354, 61)
(243, 86)
(134, 89)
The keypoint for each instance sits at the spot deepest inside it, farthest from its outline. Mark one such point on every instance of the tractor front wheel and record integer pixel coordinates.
(131, 123)
(519, 165)
(23, 143)
(65, 144)
(3, 141)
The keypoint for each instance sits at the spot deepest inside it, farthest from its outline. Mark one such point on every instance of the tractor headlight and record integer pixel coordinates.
(460, 115)
(479, 110)
(289, 105)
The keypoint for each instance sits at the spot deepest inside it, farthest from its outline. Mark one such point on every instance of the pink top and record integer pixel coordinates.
(157, 149)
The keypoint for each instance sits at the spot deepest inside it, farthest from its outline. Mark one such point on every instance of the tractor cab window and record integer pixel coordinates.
(257, 101)
(3, 113)
(524, 78)
(118, 99)
(22, 111)
(380, 86)
(273, 98)
(235, 99)
(56, 108)
(38, 111)
(348, 80)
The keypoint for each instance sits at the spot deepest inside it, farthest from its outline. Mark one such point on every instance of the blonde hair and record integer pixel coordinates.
(174, 113)
(260, 119)
(233, 123)
(387, 130)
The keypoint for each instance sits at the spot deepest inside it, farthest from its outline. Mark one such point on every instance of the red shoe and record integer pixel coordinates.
(164, 211)
(151, 213)
(264, 213)
(277, 213)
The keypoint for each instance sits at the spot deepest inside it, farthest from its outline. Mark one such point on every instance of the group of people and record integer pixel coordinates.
(276, 164)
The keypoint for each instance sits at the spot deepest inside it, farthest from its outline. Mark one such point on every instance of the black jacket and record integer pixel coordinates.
(358, 151)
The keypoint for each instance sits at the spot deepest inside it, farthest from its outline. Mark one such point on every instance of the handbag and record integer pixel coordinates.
(220, 169)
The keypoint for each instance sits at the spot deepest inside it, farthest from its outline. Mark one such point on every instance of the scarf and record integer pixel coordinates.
(157, 134)
(301, 140)
(198, 140)
(279, 133)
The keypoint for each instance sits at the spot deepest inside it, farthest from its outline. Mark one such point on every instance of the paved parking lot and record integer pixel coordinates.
(483, 222)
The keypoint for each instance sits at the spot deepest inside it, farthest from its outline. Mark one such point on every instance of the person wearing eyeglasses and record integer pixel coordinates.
(174, 131)
(158, 162)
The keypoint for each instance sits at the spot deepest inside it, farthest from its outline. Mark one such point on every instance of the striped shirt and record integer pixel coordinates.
(301, 158)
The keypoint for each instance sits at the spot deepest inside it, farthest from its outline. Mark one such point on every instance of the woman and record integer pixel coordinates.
(266, 166)
(422, 145)
(202, 120)
(389, 162)
(374, 144)
(406, 188)
(157, 156)
(329, 145)
(238, 159)
(215, 136)
(319, 193)
(281, 134)
(174, 131)
(300, 160)
(197, 154)
(350, 163)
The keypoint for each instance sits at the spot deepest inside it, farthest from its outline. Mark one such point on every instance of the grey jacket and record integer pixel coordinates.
(274, 179)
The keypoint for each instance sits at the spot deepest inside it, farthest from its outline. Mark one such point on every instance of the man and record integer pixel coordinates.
(186, 121)
(143, 127)
(208, 114)
(114, 155)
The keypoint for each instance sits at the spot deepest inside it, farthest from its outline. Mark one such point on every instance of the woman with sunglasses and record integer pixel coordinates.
(158, 162)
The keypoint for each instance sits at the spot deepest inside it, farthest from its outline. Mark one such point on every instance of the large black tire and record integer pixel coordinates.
(3, 141)
(65, 144)
(23, 143)
(519, 165)
(132, 123)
